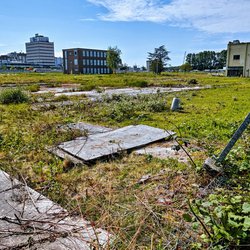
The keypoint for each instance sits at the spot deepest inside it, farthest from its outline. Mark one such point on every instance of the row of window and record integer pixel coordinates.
(94, 62)
(96, 71)
(93, 53)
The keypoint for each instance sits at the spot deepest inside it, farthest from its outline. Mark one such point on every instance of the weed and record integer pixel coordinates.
(137, 83)
(192, 81)
(8, 96)
(61, 98)
(33, 88)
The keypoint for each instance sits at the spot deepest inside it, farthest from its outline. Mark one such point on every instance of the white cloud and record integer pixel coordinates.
(219, 16)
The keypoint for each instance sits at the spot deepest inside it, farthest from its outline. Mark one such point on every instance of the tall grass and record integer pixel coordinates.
(8, 96)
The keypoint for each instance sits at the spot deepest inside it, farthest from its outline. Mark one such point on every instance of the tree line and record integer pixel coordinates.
(207, 60)
(160, 56)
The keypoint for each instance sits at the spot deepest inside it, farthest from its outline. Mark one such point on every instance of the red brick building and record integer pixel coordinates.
(85, 61)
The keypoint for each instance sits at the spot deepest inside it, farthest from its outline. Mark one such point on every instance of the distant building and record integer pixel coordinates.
(238, 59)
(40, 51)
(85, 61)
(59, 62)
(16, 57)
(13, 58)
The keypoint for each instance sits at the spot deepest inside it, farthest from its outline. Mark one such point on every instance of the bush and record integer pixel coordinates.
(139, 84)
(61, 98)
(226, 218)
(33, 88)
(8, 96)
(192, 81)
(86, 87)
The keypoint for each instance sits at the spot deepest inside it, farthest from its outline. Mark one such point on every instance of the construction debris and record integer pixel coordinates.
(28, 220)
(94, 146)
(164, 151)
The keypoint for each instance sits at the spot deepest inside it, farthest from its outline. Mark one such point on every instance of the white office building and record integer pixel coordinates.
(40, 51)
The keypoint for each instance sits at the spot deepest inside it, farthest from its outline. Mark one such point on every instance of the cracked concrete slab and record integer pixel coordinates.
(98, 145)
(28, 220)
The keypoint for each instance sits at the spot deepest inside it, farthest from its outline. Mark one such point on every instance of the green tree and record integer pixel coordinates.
(114, 58)
(158, 59)
(186, 67)
(207, 60)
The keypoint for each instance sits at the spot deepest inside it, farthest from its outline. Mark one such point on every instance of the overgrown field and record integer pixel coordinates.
(199, 211)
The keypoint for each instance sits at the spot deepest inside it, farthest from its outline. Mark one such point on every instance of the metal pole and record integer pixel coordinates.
(234, 138)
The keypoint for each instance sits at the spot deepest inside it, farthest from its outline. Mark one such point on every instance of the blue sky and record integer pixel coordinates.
(134, 26)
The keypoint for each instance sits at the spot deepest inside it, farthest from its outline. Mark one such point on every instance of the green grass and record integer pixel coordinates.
(108, 193)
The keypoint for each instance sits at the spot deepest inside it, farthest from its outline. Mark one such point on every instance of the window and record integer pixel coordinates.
(75, 62)
(84, 61)
(92, 70)
(87, 62)
(105, 62)
(95, 62)
(84, 53)
(98, 54)
(87, 53)
(91, 53)
(94, 53)
(66, 64)
(101, 70)
(236, 57)
(84, 70)
(104, 54)
(65, 54)
(75, 52)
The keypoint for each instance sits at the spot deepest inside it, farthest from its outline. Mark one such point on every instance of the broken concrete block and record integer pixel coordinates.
(30, 220)
(95, 146)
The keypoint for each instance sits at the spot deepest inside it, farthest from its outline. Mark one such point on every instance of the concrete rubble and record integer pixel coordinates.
(101, 143)
(164, 151)
(28, 220)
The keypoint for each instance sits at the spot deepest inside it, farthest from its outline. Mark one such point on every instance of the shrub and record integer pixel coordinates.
(8, 96)
(225, 219)
(88, 87)
(138, 83)
(192, 81)
(33, 88)
(61, 98)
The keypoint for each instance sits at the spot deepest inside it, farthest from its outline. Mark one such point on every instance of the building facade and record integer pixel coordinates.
(85, 61)
(238, 59)
(40, 51)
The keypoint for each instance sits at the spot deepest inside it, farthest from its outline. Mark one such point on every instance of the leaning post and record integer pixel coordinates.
(211, 163)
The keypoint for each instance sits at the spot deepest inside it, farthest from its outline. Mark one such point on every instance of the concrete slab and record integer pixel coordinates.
(87, 128)
(95, 95)
(103, 144)
(28, 220)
